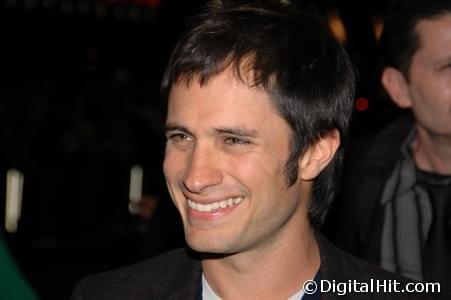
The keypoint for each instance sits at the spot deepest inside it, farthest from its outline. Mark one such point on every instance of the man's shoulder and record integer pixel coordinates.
(173, 272)
(363, 278)
(153, 268)
(339, 265)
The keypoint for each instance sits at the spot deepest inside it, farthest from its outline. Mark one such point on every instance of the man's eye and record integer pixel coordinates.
(235, 141)
(179, 138)
(445, 67)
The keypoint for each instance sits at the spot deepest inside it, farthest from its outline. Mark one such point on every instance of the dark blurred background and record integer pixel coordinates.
(80, 106)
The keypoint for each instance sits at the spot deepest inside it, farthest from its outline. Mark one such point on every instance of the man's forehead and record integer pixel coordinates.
(221, 104)
(428, 29)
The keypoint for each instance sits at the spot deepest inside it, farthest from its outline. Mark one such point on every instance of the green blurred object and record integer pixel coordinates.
(12, 285)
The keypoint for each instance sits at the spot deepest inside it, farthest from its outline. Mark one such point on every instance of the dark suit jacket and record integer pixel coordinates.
(355, 221)
(176, 275)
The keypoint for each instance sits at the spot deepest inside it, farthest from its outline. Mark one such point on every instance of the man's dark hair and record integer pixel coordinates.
(292, 55)
(400, 40)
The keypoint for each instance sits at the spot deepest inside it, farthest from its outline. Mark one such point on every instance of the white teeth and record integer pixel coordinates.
(206, 207)
(215, 205)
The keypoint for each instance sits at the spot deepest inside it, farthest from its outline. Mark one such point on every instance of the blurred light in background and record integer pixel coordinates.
(135, 193)
(14, 188)
(361, 104)
(378, 26)
(336, 25)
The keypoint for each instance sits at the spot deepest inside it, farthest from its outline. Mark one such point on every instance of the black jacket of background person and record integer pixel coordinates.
(355, 221)
(176, 275)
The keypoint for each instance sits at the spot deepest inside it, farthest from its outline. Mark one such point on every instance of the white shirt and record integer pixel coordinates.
(209, 294)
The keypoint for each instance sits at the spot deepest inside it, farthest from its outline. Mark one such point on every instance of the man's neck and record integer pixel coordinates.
(276, 272)
(431, 152)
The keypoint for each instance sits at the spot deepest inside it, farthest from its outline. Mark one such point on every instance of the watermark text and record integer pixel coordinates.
(377, 286)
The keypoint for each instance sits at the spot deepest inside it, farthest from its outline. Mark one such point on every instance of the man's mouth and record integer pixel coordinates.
(210, 207)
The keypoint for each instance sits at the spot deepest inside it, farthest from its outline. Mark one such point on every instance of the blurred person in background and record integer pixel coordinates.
(395, 206)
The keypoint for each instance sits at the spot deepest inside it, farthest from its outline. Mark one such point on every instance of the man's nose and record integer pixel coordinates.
(203, 171)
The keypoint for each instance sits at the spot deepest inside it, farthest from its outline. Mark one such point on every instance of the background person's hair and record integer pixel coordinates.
(399, 40)
(292, 55)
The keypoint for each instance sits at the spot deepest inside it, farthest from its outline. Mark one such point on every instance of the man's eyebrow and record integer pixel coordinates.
(173, 127)
(238, 131)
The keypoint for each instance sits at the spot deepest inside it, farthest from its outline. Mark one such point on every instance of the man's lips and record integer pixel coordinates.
(214, 206)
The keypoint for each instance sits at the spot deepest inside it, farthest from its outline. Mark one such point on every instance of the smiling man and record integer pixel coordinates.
(225, 167)
(259, 100)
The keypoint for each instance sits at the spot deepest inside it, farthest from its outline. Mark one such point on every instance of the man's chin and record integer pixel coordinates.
(210, 248)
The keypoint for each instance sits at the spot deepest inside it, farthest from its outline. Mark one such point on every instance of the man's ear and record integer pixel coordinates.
(318, 155)
(396, 86)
